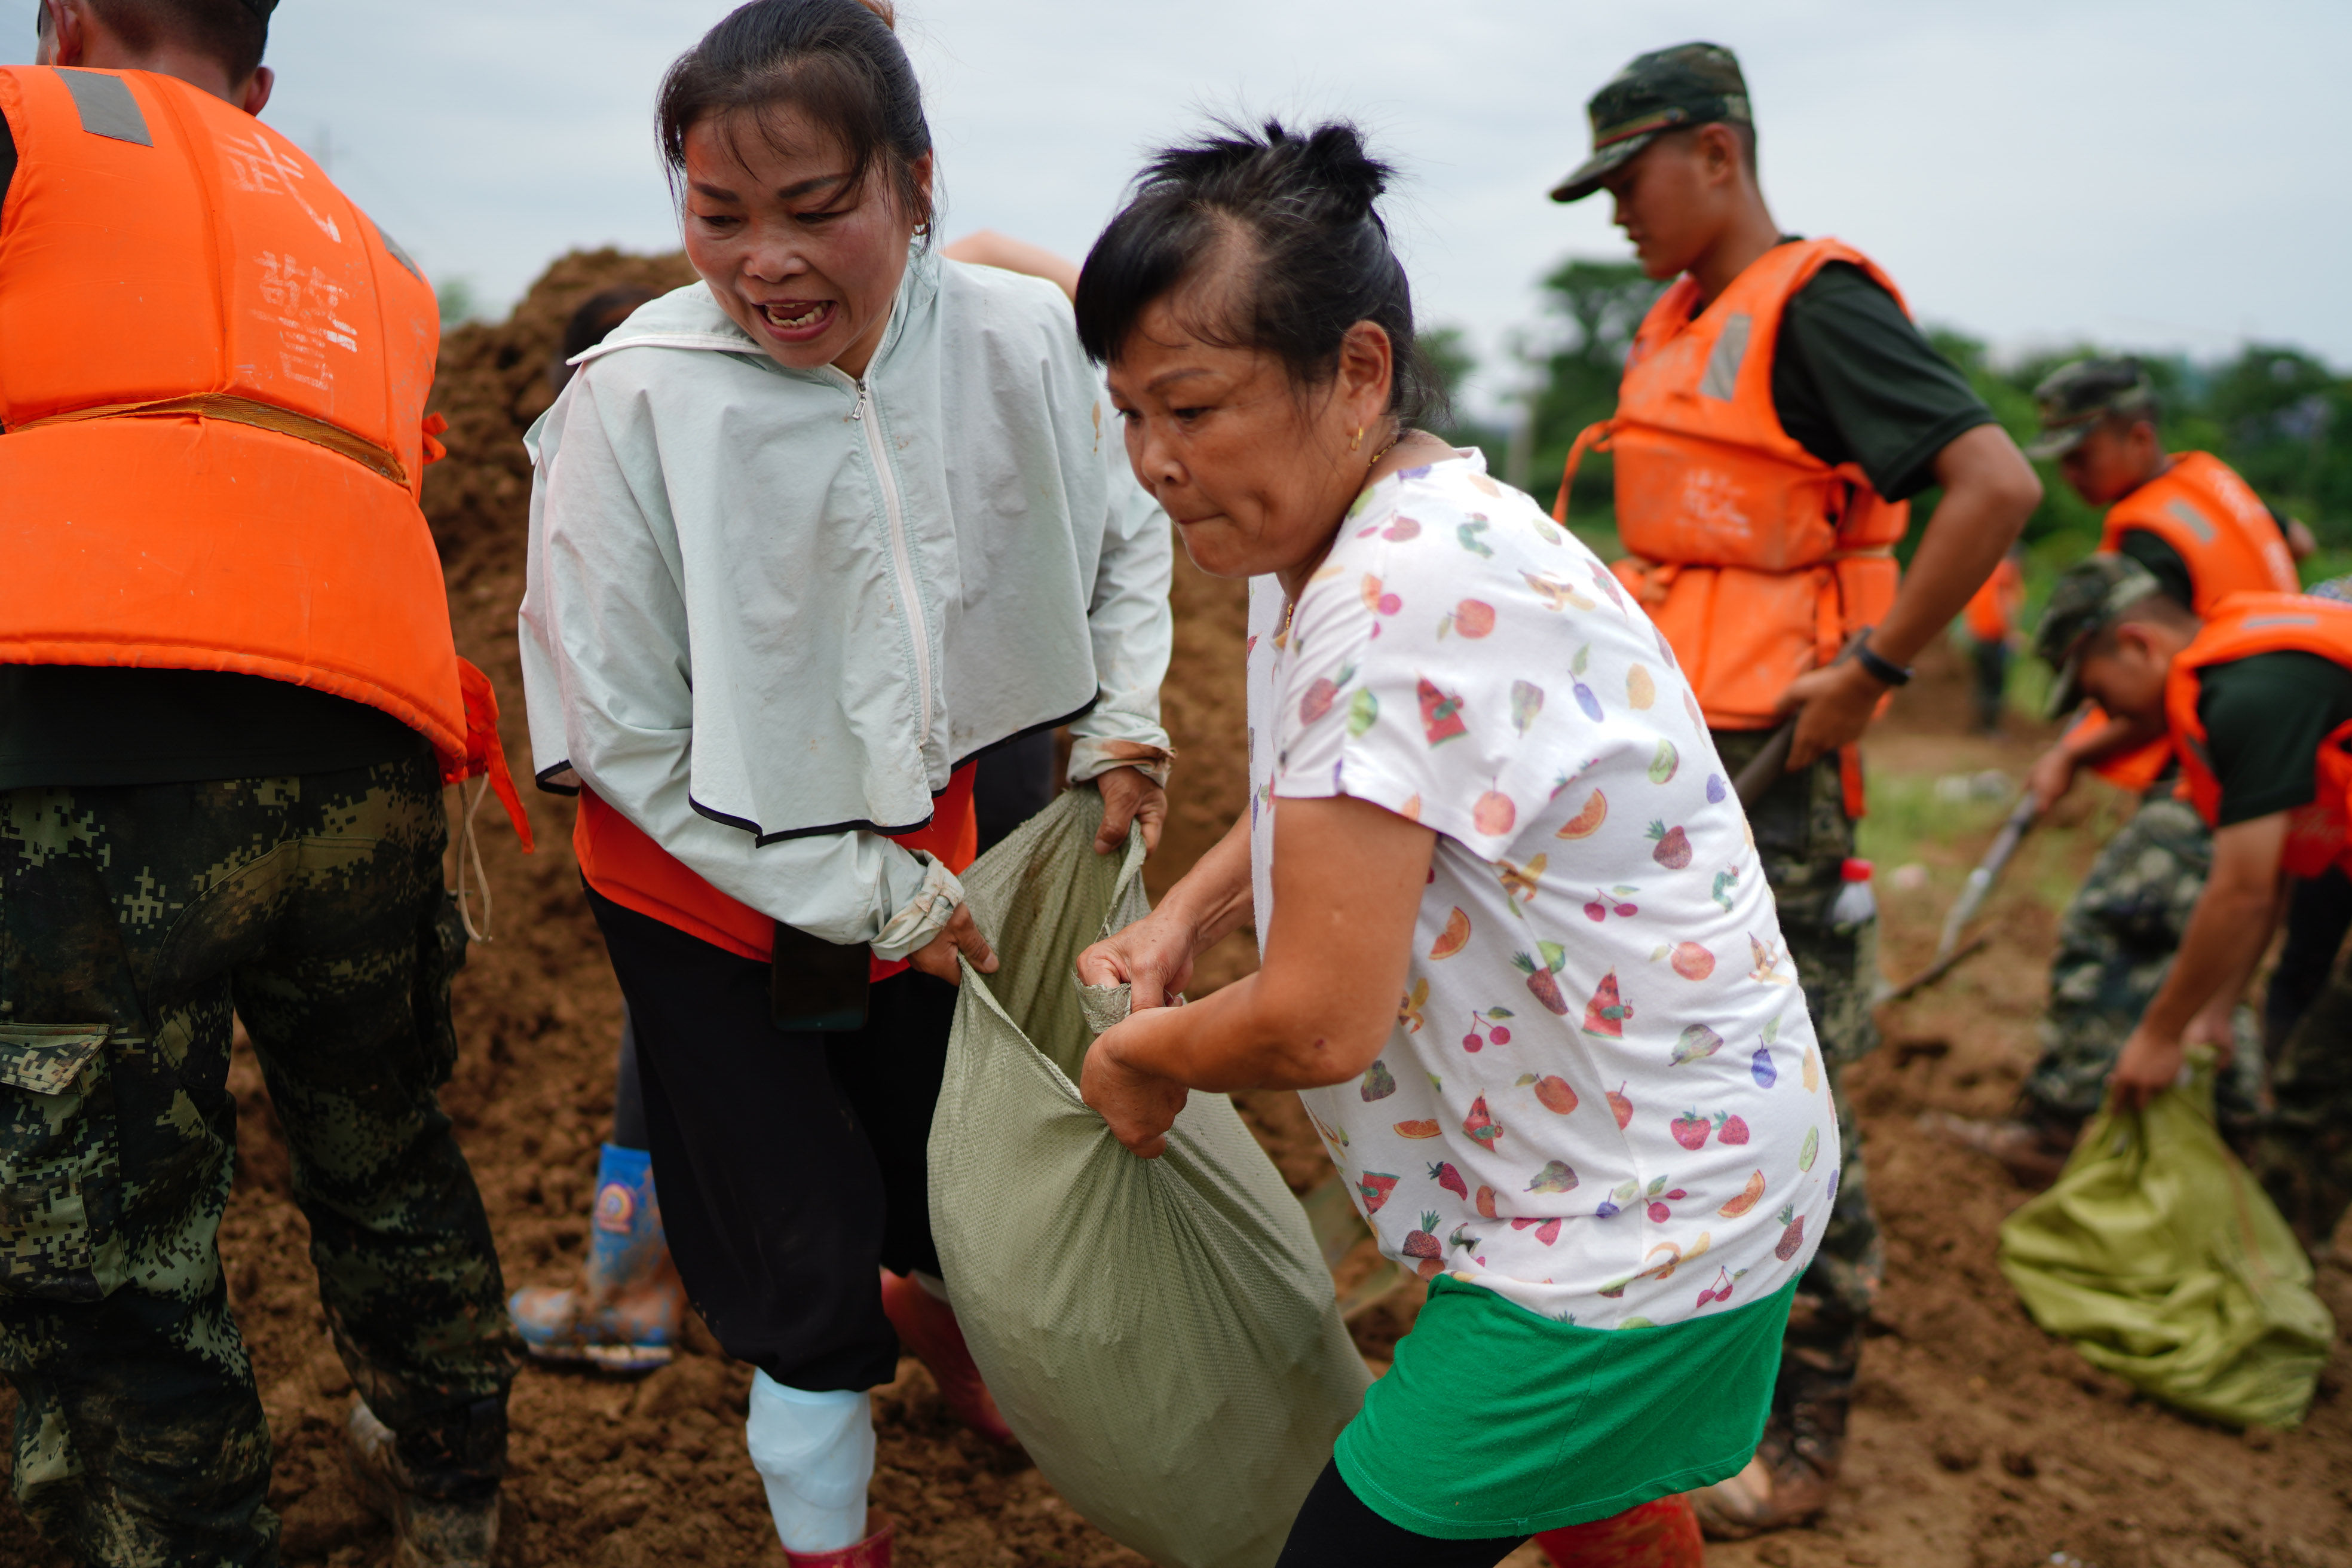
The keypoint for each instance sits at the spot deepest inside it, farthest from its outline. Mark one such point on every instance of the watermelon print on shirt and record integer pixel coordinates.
(1603, 1098)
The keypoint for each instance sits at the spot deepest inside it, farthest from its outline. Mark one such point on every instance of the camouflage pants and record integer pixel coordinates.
(2303, 1153)
(2115, 943)
(1803, 836)
(133, 920)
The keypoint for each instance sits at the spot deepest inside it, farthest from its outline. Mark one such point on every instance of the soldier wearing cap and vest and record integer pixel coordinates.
(2256, 700)
(229, 701)
(1778, 410)
(2202, 534)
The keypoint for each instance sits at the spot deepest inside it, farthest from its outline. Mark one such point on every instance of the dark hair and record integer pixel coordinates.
(837, 61)
(1309, 253)
(592, 322)
(231, 33)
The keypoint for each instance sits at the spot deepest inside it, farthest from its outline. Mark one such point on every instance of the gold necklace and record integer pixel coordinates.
(1290, 606)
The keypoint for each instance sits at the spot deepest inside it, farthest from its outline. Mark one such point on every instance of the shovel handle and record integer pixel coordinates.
(1773, 760)
(1766, 766)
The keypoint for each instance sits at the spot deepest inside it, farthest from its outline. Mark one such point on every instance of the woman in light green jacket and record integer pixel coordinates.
(807, 538)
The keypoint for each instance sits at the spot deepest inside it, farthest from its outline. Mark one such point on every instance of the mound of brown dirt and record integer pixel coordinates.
(492, 381)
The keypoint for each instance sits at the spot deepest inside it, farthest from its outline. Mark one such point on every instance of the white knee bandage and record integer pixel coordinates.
(815, 1452)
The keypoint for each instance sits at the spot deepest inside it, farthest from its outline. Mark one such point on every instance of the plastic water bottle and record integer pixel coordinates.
(1856, 905)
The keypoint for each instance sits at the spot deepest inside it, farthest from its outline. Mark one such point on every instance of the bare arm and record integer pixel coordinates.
(2054, 772)
(1990, 489)
(2227, 932)
(1348, 882)
(1155, 955)
(986, 247)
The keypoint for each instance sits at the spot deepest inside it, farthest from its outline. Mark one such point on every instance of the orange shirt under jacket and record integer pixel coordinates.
(624, 865)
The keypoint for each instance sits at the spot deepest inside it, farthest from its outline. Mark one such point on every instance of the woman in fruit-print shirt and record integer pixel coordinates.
(1517, 957)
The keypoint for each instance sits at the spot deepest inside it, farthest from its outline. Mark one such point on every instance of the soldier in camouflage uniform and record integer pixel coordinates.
(2118, 937)
(229, 702)
(1803, 837)
(1850, 413)
(133, 921)
(2115, 942)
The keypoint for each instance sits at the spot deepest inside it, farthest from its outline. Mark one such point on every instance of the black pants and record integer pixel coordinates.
(1335, 1530)
(792, 1165)
(1013, 784)
(2318, 914)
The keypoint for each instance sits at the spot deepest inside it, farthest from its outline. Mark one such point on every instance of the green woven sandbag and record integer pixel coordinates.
(2163, 1260)
(1161, 1334)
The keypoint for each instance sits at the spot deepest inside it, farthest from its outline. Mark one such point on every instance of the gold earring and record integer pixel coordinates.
(1358, 443)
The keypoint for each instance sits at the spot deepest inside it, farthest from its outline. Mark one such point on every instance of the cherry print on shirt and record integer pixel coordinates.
(1489, 1026)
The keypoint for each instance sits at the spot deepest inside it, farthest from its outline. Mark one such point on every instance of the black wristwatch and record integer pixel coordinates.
(1884, 669)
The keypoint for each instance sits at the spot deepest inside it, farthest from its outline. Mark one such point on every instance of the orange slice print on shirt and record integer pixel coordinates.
(1587, 821)
(1417, 1130)
(1455, 936)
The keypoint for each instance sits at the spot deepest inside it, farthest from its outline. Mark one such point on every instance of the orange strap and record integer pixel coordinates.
(1595, 437)
(260, 415)
(483, 753)
(622, 862)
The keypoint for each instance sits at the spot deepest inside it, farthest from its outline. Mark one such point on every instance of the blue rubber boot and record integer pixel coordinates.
(624, 1315)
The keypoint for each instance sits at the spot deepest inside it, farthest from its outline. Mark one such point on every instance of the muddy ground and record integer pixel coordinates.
(1977, 1442)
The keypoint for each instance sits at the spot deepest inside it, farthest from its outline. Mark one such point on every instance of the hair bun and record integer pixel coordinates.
(884, 9)
(1332, 156)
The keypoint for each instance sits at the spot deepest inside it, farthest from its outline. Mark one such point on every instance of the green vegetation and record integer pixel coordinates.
(2277, 415)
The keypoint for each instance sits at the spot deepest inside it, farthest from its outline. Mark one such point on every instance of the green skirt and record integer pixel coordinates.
(1497, 1421)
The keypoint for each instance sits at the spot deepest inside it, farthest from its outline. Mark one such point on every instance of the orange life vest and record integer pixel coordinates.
(213, 393)
(2225, 535)
(2241, 625)
(1994, 604)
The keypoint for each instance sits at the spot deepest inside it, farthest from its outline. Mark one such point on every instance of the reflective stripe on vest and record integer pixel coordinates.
(2240, 626)
(2223, 533)
(213, 395)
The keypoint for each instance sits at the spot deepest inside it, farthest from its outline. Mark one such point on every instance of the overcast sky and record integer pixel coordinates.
(2153, 175)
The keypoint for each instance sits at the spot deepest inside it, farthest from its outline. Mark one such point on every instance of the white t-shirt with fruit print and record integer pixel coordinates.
(1602, 1097)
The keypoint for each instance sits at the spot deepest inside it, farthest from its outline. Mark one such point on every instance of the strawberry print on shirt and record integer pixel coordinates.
(1603, 1098)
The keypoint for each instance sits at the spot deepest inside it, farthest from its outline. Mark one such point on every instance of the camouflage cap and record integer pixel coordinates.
(1690, 84)
(2088, 597)
(2074, 397)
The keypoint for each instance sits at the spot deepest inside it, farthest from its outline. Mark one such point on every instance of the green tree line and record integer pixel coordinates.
(2276, 413)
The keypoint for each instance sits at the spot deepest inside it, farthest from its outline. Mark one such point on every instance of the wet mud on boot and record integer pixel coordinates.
(928, 1329)
(1795, 1469)
(459, 1531)
(624, 1314)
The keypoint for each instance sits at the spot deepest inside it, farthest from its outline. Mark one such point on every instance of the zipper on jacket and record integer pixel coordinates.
(900, 557)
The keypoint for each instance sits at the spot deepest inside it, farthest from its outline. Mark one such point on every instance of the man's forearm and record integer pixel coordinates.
(2226, 935)
(1988, 492)
(2095, 745)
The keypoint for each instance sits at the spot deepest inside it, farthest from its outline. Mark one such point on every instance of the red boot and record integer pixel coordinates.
(1661, 1535)
(927, 1326)
(874, 1552)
